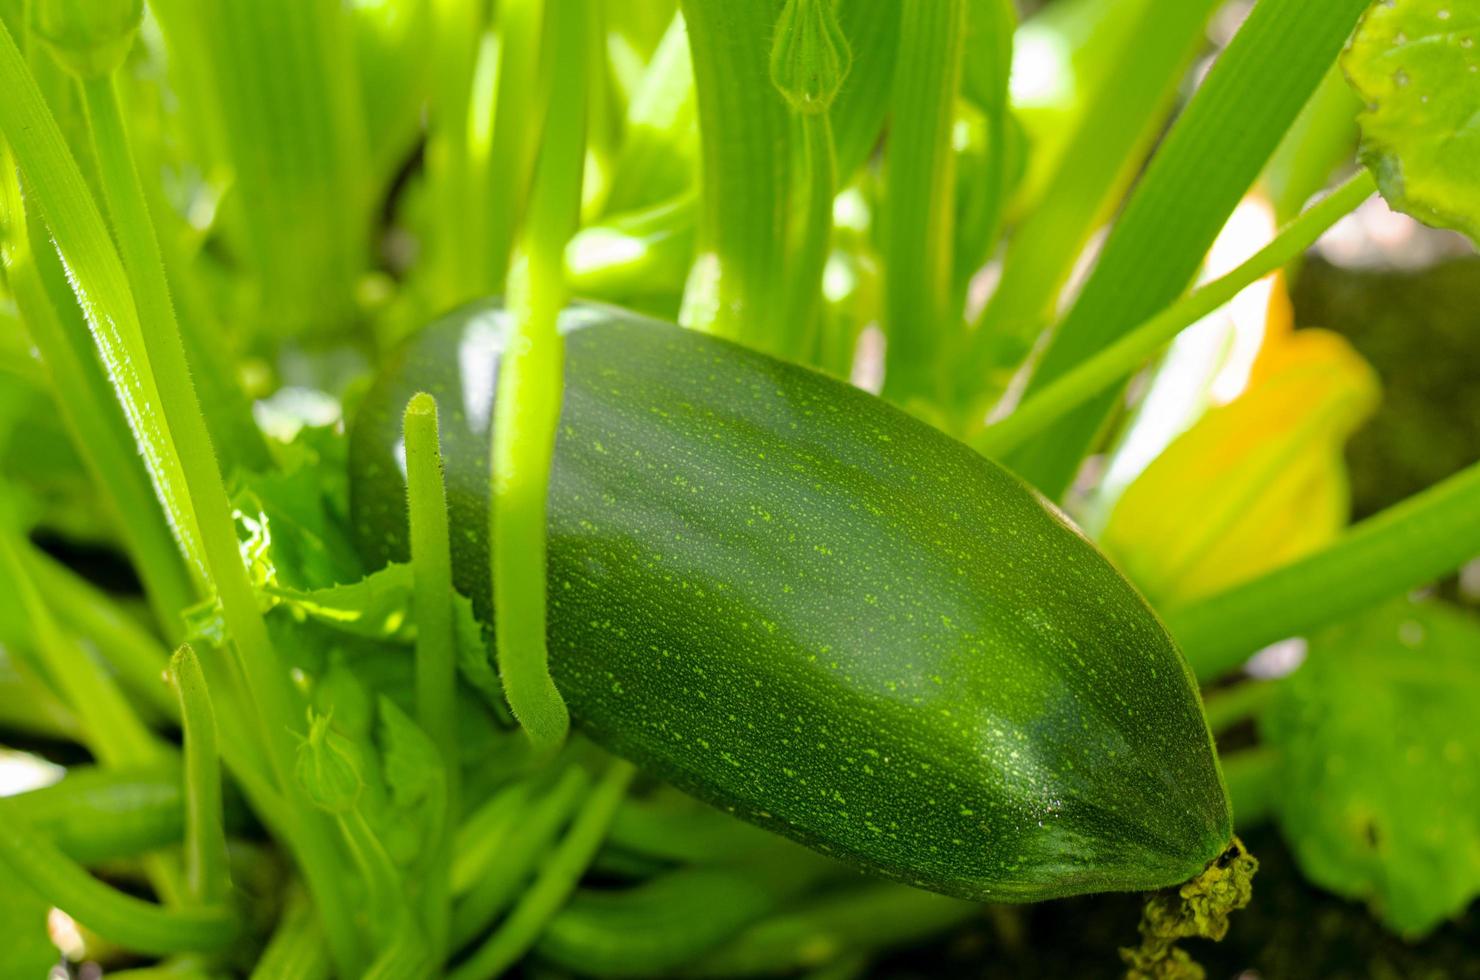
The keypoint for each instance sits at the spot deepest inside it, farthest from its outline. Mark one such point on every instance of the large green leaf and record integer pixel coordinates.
(1381, 794)
(1416, 63)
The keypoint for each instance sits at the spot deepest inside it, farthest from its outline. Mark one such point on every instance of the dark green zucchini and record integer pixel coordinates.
(802, 605)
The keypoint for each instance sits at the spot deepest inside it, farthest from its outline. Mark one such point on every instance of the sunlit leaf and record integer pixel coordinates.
(1380, 793)
(1416, 63)
(1254, 483)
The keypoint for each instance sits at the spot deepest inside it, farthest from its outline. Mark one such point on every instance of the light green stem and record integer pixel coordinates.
(205, 825)
(296, 950)
(87, 407)
(309, 834)
(130, 922)
(139, 660)
(1405, 546)
(737, 289)
(527, 408)
(1122, 358)
(436, 666)
(918, 216)
(115, 735)
(555, 882)
(814, 234)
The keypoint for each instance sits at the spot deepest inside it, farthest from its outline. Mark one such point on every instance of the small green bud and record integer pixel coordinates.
(328, 767)
(90, 38)
(810, 56)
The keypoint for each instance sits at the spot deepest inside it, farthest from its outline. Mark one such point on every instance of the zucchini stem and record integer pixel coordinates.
(555, 882)
(527, 407)
(1411, 543)
(436, 666)
(128, 921)
(1122, 358)
(205, 826)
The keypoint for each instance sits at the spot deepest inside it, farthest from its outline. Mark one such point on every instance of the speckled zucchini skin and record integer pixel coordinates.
(800, 604)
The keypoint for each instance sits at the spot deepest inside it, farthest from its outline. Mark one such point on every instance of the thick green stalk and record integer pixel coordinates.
(918, 213)
(457, 26)
(530, 827)
(436, 662)
(134, 924)
(527, 409)
(871, 916)
(1122, 358)
(205, 824)
(296, 949)
(555, 882)
(736, 290)
(1196, 179)
(813, 235)
(523, 84)
(1121, 119)
(810, 60)
(67, 206)
(89, 410)
(273, 87)
(1405, 546)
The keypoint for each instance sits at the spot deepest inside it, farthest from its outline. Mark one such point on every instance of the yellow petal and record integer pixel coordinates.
(1254, 483)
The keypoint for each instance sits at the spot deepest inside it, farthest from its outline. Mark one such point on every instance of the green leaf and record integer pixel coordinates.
(1416, 63)
(292, 520)
(413, 766)
(1381, 789)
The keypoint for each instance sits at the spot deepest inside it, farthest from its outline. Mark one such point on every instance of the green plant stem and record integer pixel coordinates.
(736, 290)
(1122, 358)
(1202, 169)
(555, 882)
(480, 839)
(205, 824)
(140, 660)
(296, 949)
(870, 916)
(115, 735)
(207, 494)
(530, 383)
(386, 898)
(813, 234)
(88, 408)
(96, 814)
(1427, 535)
(436, 661)
(1120, 119)
(134, 924)
(457, 28)
(918, 215)
(71, 216)
(524, 846)
(516, 131)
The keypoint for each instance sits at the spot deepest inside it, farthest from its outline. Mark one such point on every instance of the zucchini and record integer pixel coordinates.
(795, 602)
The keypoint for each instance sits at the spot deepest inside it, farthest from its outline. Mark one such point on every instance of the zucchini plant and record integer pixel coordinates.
(704, 487)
